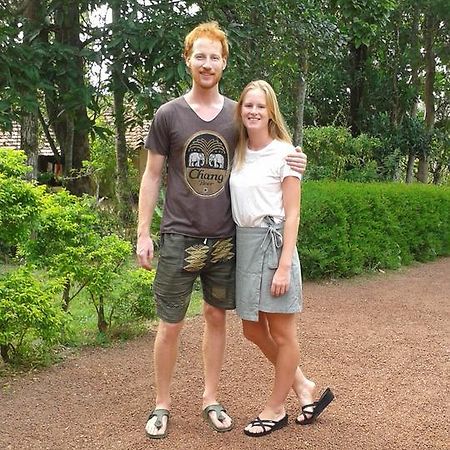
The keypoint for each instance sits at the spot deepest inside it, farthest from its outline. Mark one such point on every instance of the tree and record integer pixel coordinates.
(360, 21)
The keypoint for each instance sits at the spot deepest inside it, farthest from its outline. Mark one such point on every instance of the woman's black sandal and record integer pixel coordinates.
(267, 425)
(311, 412)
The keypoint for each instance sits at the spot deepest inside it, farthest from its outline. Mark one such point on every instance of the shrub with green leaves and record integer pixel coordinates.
(349, 228)
(133, 297)
(335, 155)
(13, 163)
(69, 243)
(64, 233)
(28, 312)
(20, 201)
(19, 208)
(104, 263)
(65, 222)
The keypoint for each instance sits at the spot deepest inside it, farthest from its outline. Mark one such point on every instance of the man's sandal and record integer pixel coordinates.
(219, 410)
(159, 414)
(311, 412)
(268, 426)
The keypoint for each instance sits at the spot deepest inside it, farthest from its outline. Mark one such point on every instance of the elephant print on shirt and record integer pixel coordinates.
(207, 165)
(196, 159)
(217, 160)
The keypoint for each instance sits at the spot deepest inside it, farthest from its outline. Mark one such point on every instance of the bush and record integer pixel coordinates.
(19, 208)
(335, 155)
(348, 228)
(133, 297)
(13, 163)
(28, 313)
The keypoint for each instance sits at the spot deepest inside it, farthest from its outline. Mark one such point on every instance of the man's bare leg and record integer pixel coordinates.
(214, 339)
(165, 357)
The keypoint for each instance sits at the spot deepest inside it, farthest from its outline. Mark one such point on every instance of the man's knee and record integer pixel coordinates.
(169, 332)
(214, 316)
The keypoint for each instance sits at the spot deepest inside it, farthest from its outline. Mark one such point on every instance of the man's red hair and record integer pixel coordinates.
(210, 30)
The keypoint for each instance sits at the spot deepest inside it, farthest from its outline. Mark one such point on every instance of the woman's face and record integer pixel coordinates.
(254, 112)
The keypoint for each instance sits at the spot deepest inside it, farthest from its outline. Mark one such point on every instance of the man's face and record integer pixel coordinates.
(206, 63)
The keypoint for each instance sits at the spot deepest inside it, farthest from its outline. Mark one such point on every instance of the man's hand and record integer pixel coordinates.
(297, 161)
(144, 252)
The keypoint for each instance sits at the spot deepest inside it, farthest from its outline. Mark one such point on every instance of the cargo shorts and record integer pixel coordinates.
(181, 260)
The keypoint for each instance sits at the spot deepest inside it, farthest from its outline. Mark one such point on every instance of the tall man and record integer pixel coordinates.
(196, 135)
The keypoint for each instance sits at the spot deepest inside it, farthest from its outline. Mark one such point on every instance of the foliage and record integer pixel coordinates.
(132, 297)
(105, 261)
(28, 312)
(103, 165)
(63, 233)
(13, 163)
(334, 154)
(440, 156)
(348, 228)
(361, 21)
(20, 201)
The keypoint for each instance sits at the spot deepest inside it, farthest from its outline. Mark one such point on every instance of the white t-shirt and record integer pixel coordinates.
(256, 187)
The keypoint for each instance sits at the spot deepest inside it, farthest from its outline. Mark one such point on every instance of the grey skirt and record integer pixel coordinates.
(257, 254)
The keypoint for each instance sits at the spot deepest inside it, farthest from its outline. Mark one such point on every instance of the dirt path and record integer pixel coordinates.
(380, 342)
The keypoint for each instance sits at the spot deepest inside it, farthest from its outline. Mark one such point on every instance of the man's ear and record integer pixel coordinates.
(188, 64)
(224, 63)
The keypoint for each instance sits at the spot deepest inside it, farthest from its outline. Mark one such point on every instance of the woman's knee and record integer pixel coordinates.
(253, 331)
(284, 337)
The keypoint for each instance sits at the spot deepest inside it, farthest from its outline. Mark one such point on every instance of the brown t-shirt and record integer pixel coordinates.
(199, 159)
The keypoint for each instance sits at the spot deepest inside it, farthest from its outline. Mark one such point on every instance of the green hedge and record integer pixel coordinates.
(349, 228)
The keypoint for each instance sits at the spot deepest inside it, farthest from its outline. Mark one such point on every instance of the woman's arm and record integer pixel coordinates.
(291, 204)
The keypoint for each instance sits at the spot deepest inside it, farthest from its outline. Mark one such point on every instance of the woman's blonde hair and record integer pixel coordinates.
(277, 125)
(210, 30)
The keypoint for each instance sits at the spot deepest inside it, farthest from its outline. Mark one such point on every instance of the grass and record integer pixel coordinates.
(83, 331)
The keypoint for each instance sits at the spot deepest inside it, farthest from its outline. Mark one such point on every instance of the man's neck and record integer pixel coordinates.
(204, 97)
(206, 103)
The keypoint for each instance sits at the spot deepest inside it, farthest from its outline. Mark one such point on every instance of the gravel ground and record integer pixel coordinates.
(380, 342)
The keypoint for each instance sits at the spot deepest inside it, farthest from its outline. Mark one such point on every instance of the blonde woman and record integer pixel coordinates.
(265, 199)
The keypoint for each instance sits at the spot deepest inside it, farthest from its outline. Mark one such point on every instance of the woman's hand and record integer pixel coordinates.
(280, 281)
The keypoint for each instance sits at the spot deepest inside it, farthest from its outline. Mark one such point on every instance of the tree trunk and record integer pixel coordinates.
(101, 321)
(415, 67)
(395, 111)
(358, 58)
(29, 141)
(301, 95)
(430, 75)
(123, 191)
(410, 167)
(4, 352)
(430, 70)
(415, 61)
(66, 295)
(71, 126)
(437, 172)
(33, 13)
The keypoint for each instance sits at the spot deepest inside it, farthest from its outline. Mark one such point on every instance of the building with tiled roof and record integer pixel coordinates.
(135, 140)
